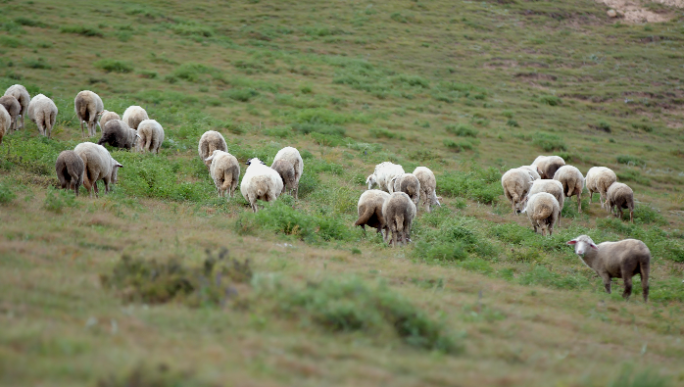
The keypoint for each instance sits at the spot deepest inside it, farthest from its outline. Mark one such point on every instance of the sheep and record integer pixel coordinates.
(13, 107)
(370, 211)
(548, 165)
(383, 174)
(620, 196)
(543, 211)
(21, 94)
(532, 170)
(573, 183)
(107, 116)
(134, 115)
(151, 136)
(70, 167)
(88, 107)
(292, 156)
(428, 185)
(622, 259)
(554, 187)
(286, 172)
(5, 122)
(516, 184)
(407, 183)
(210, 141)
(598, 179)
(117, 134)
(43, 112)
(260, 183)
(398, 212)
(98, 165)
(224, 170)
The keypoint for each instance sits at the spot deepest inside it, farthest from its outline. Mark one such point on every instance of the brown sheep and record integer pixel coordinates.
(407, 183)
(370, 210)
(620, 196)
(399, 211)
(21, 94)
(117, 134)
(13, 107)
(287, 172)
(70, 167)
(548, 165)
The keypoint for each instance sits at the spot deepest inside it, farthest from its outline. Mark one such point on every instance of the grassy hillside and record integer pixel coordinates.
(162, 283)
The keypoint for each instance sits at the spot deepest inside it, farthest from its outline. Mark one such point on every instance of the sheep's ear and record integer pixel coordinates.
(593, 246)
(248, 162)
(572, 242)
(118, 165)
(211, 158)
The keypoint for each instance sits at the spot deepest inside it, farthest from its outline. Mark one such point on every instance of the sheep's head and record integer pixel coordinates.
(255, 161)
(435, 199)
(370, 180)
(582, 244)
(521, 206)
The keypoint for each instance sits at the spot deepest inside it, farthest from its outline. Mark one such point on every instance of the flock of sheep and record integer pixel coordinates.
(539, 190)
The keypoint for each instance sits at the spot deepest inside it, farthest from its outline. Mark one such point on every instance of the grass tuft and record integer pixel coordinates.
(112, 65)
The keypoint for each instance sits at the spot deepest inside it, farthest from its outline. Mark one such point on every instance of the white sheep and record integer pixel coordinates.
(407, 183)
(516, 184)
(88, 107)
(598, 179)
(5, 122)
(554, 187)
(43, 112)
(225, 171)
(573, 183)
(98, 165)
(398, 212)
(260, 183)
(13, 108)
(292, 156)
(383, 175)
(370, 211)
(134, 115)
(543, 211)
(620, 196)
(210, 141)
(107, 116)
(623, 259)
(21, 94)
(428, 186)
(533, 171)
(548, 165)
(151, 136)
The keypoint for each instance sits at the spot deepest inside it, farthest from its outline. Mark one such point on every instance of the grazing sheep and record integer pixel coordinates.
(620, 196)
(623, 259)
(98, 165)
(21, 94)
(398, 212)
(516, 184)
(428, 186)
(117, 134)
(260, 183)
(225, 171)
(554, 187)
(286, 172)
(70, 167)
(407, 183)
(573, 183)
(532, 170)
(88, 107)
(292, 156)
(106, 117)
(383, 174)
(598, 179)
(5, 122)
(548, 165)
(43, 112)
(134, 115)
(13, 107)
(370, 211)
(151, 136)
(210, 141)
(543, 211)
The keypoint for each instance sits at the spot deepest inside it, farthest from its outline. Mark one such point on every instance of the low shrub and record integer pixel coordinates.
(630, 160)
(6, 194)
(550, 100)
(82, 30)
(116, 66)
(462, 130)
(458, 146)
(548, 142)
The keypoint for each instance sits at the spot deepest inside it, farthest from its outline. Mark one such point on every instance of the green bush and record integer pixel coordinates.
(193, 72)
(192, 29)
(111, 65)
(10, 42)
(462, 130)
(457, 146)
(630, 160)
(82, 30)
(548, 142)
(550, 100)
(6, 194)
(634, 175)
(241, 94)
(382, 132)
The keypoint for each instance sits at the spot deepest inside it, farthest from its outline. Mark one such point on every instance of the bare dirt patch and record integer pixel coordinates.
(634, 11)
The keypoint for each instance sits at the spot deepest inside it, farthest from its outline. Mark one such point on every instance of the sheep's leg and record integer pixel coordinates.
(628, 284)
(82, 131)
(22, 121)
(579, 203)
(631, 216)
(643, 273)
(394, 237)
(606, 282)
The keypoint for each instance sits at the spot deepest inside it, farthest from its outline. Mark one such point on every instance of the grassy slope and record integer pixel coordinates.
(393, 77)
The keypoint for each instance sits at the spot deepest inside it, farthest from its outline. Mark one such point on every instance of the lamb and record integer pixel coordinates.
(151, 136)
(543, 211)
(370, 211)
(260, 183)
(98, 165)
(554, 187)
(21, 94)
(5, 122)
(383, 174)
(210, 141)
(117, 134)
(598, 179)
(573, 183)
(428, 186)
(398, 212)
(43, 112)
(516, 184)
(225, 171)
(292, 156)
(88, 107)
(620, 196)
(286, 172)
(407, 183)
(70, 167)
(13, 108)
(623, 259)
(532, 170)
(548, 165)
(106, 117)
(134, 115)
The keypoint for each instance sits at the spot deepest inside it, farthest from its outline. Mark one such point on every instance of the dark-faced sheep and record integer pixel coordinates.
(407, 183)
(292, 156)
(43, 112)
(543, 211)
(21, 94)
(133, 116)
(117, 134)
(398, 212)
(210, 141)
(370, 211)
(225, 171)
(428, 186)
(70, 167)
(548, 165)
(619, 197)
(599, 179)
(623, 259)
(13, 108)
(88, 107)
(573, 183)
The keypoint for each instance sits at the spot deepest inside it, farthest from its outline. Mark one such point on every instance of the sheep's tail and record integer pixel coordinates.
(544, 211)
(365, 216)
(570, 188)
(259, 193)
(399, 218)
